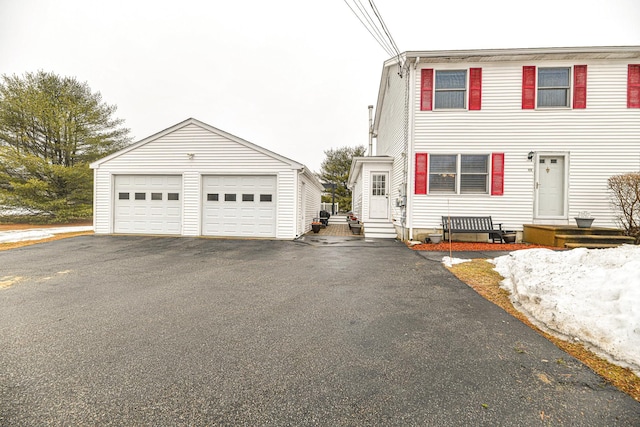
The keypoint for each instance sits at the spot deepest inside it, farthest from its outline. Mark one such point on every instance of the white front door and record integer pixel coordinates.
(550, 187)
(379, 200)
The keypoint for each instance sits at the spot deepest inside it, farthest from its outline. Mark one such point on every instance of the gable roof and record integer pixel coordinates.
(358, 162)
(192, 121)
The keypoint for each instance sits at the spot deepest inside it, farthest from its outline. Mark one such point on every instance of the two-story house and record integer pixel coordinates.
(527, 136)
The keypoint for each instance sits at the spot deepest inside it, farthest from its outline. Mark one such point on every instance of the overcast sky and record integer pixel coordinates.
(293, 76)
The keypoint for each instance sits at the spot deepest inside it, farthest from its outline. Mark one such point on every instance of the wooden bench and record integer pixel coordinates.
(471, 224)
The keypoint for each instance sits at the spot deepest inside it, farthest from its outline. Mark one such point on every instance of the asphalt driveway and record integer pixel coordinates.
(116, 330)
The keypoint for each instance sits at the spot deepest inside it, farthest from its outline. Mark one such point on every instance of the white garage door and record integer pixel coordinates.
(239, 206)
(148, 204)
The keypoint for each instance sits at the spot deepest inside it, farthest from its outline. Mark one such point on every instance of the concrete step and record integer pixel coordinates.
(337, 219)
(379, 230)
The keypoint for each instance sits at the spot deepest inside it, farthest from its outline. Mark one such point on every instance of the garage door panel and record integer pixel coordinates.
(173, 212)
(142, 204)
(231, 206)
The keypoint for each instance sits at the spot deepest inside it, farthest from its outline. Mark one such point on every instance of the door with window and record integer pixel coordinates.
(379, 201)
(147, 204)
(550, 187)
(239, 205)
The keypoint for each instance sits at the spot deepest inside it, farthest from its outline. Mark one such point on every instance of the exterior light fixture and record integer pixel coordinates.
(530, 155)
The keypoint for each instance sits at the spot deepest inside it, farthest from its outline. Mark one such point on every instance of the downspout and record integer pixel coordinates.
(409, 143)
(300, 222)
(370, 130)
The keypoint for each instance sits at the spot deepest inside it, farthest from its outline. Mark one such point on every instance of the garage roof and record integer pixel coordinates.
(192, 121)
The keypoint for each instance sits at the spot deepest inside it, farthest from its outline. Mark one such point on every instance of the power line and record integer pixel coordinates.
(372, 28)
(389, 48)
(386, 30)
(384, 26)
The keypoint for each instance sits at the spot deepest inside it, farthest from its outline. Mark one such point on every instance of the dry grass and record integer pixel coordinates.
(480, 275)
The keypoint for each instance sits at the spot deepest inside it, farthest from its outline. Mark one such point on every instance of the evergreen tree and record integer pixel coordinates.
(335, 170)
(51, 128)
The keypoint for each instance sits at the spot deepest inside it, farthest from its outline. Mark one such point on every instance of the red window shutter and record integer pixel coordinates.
(475, 88)
(580, 86)
(421, 173)
(426, 93)
(633, 86)
(497, 174)
(528, 87)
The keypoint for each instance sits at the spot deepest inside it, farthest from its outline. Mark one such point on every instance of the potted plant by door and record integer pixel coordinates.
(356, 227)
(316, 226)
(584, 219)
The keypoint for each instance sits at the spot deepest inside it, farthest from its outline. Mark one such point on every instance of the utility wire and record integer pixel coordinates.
(386, 30)
(380, 40)
(365, 13)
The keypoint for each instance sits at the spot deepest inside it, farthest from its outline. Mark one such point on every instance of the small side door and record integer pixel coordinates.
(379, 200)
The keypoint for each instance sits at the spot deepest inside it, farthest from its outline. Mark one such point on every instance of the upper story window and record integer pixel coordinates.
(553, 87)
(451, 89)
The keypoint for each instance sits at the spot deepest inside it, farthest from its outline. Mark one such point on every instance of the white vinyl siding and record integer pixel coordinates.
(601, 140)
(391, 140)
(309, 197)
(191, 203)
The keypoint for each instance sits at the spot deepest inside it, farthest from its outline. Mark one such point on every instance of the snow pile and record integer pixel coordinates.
(448, 261)
(591, 295)
(38, 233)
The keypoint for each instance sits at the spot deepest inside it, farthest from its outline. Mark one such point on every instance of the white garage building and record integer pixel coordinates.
(195, 180)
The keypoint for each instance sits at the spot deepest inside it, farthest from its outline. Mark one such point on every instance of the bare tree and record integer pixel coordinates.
(625, 198)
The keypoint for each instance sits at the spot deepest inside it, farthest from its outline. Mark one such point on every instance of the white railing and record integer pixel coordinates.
(327, 207)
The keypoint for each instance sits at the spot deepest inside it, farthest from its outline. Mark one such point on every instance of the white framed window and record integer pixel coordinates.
(379, 185)
(554, 85)
(459, 173)
(450, 89)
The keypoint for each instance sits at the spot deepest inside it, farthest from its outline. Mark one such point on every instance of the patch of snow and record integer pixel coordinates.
(591, 295)
(13, 236)
(448, 261)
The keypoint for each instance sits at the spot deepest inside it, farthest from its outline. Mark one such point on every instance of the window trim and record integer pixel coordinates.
(464, 90)
(458, 175)
(568, 88)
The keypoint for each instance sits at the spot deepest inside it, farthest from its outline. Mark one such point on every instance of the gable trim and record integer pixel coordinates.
(191, 121)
